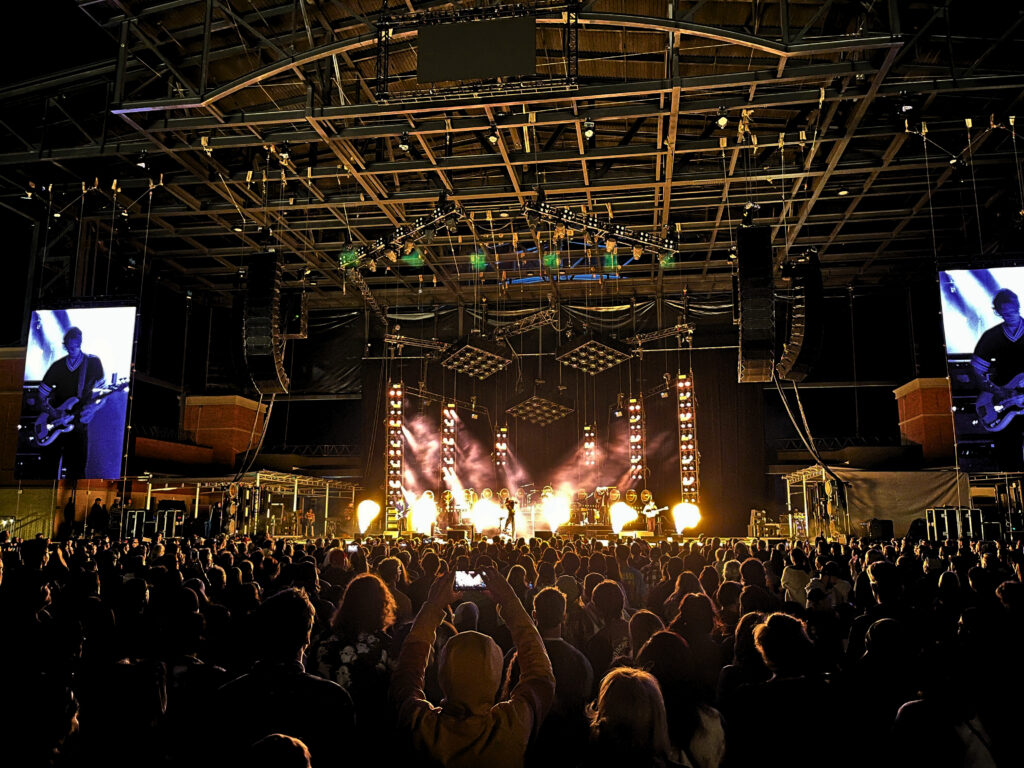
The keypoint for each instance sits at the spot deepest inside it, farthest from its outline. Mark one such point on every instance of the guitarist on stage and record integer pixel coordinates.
(73, 375)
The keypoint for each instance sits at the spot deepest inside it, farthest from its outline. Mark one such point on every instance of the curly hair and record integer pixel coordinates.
(366, 606)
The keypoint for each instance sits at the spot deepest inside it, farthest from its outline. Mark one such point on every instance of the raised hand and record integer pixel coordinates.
(442, 592)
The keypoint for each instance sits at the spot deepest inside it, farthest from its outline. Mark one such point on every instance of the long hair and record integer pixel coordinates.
(366, 606)
(630, 715)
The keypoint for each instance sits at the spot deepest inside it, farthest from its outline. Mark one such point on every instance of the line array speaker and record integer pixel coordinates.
(756, 303)
(806, 329)
(261, 325)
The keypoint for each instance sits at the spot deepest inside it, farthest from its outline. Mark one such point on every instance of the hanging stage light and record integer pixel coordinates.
(403, 142)
(477, 357)
(636, 439)
(689, 459)
(589, 129)
(396, 451)
(584, 353)
(448, 427)
(492, 134)
(589, 446)
(501, 447)
(542, 406)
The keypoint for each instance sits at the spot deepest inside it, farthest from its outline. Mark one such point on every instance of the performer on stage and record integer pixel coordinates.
(998, 365)
(510, 519)
(73, 375)
(310, 523)
(650, 512)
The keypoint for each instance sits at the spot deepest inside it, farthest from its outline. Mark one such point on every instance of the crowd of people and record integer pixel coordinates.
(571, 652)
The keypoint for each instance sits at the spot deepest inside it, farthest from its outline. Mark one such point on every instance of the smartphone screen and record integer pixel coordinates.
(467, 580)
(352, 548)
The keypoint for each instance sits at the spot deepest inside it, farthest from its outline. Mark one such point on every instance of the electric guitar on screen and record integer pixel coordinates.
(49, 426)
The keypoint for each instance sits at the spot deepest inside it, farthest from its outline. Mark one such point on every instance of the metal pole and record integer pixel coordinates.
(195, 509)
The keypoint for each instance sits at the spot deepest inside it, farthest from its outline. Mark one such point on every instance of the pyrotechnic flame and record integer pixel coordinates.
(621, 514)
(556, 510)
(366, 513)
(423, 514)
(485, 515)
(686, 515)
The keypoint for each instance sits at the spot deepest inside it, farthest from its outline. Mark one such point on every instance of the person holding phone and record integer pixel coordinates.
(469, 729)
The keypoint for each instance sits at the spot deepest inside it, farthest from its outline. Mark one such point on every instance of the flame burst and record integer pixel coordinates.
(423, 513)
(621, 514)
(556, 510)
(486, 515)
(366, 513)
(685, 515)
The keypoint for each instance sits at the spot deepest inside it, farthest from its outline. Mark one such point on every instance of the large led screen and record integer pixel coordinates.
(77, 369)
(984, 332)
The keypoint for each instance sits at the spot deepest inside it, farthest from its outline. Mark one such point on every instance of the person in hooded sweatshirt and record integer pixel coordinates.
(470, 728)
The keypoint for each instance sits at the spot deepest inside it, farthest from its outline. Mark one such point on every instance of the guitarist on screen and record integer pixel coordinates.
(72, 376)
(998, 365)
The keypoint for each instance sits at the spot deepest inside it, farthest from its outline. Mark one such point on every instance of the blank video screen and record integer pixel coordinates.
(477, 50)
(984, 333)
(75, 393)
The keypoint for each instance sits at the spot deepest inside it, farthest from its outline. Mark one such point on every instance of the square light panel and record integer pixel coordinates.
(478, 358)
(591, 356)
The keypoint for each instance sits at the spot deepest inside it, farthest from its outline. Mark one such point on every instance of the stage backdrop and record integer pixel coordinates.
(900, 496)
(92, 451)
(967, 313)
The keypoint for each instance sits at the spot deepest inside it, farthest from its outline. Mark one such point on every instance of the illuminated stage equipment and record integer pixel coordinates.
(613, 234)
(636, 439)
(689, 458)
(386, 249)
(541, 407)
(396, 456)
(591, 356)
(589, 446)
(501, 447)
(448, 433)
(477, 357)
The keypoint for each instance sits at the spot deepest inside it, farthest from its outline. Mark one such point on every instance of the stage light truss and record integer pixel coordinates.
(449, 424)
(403, 239)
(528, 323)
(589, 446)
(408, 341)
(679, 330)
(478, 358)
(501, 447)
(540, 407)
(689, 459)
(591, 356)
(396, 448)
(635, 412)
(614, 235)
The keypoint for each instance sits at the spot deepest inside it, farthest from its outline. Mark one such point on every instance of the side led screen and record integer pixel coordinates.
(75, 397)
(984, 331)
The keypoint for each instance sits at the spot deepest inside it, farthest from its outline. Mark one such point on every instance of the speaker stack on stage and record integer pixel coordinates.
(261, 326)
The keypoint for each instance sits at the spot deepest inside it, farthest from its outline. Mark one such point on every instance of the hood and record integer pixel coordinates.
(469, 672)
